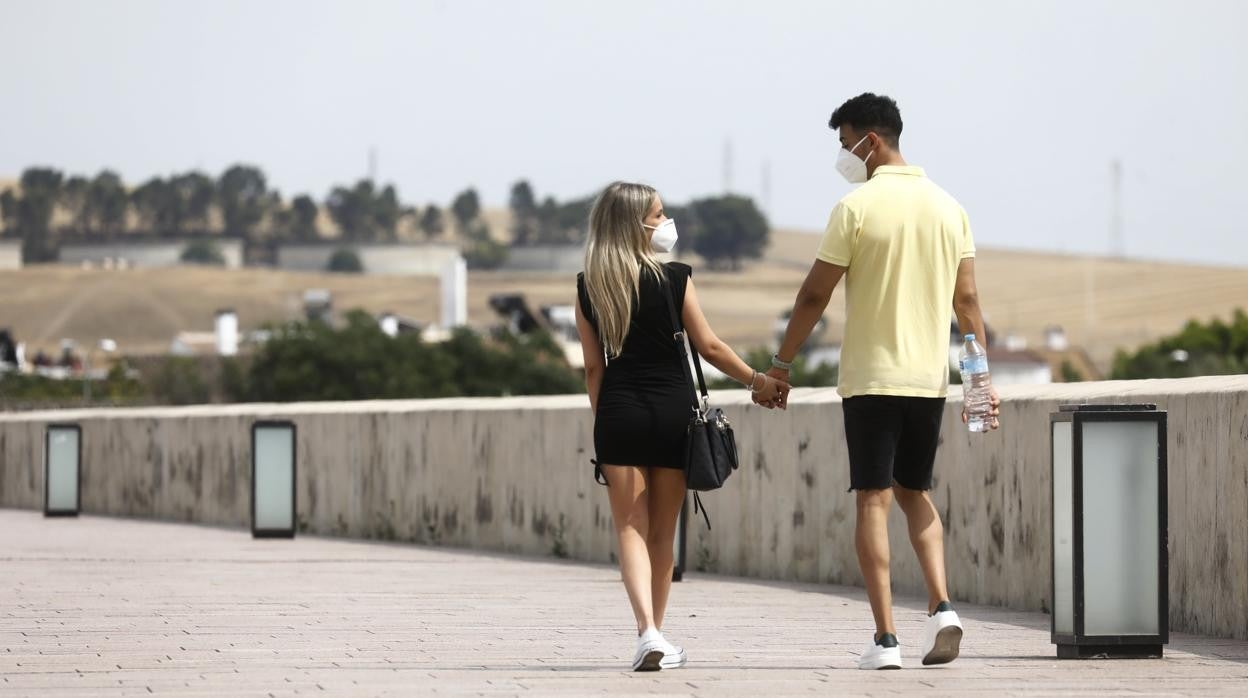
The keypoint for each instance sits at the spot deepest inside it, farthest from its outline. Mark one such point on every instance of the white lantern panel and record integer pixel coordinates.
(62, 469)
(1063, 530)
(275, 477)
(1120, 528)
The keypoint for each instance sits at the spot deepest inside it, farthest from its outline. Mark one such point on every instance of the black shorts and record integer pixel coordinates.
(892, 439)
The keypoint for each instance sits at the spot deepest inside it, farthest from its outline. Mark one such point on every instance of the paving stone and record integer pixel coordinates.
(113, 607)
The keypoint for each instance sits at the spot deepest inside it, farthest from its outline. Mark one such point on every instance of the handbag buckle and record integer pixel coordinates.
(680, 342)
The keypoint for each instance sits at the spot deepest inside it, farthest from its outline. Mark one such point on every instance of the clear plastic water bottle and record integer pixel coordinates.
(976, 384)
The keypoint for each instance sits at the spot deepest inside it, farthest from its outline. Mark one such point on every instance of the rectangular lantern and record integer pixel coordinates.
(273, 480)
(1109, 549)
(62, 470)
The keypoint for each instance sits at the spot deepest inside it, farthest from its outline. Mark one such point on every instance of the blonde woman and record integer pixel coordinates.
(639, 394)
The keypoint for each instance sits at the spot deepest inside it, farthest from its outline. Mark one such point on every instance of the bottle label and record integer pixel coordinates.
(975, 364)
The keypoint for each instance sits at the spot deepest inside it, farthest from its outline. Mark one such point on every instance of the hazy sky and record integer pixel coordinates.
(1017, 108)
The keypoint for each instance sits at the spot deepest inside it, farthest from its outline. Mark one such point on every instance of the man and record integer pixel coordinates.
(904, 247)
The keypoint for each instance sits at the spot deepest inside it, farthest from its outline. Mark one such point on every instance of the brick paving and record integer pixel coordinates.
(113, 607)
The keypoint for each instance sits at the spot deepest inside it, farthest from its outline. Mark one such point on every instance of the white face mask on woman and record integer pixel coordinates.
(664, 237)
(851, 167)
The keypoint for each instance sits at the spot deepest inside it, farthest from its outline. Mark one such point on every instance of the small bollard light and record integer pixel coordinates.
(1110, 555)
(62, 470)
(273, 479)
(678, 543)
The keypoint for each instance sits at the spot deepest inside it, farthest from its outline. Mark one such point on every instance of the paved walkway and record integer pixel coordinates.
(110, 607)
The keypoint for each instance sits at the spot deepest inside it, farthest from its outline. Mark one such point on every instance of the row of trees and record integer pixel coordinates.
(723, 230)
(49, 208)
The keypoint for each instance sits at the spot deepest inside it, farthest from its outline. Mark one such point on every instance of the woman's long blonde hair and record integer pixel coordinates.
(617, 250)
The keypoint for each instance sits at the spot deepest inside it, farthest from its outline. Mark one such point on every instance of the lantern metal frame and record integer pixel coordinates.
(1079, 644)
(47, 465)
(294, 479)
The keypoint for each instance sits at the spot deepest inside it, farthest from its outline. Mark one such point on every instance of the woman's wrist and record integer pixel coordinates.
(753, 384)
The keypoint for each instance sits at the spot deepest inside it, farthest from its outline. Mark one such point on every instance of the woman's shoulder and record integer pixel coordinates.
(679, 269)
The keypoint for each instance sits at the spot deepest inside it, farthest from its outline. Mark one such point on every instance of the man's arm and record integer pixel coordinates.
(970, 317)
(812, 300)
(966, 302)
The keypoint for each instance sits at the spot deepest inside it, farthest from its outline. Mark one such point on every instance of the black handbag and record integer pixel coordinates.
(710, 445)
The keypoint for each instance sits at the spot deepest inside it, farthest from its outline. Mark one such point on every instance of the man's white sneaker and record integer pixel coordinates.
(881, 654)
(649, 651)
(674, 656)
(942, 635)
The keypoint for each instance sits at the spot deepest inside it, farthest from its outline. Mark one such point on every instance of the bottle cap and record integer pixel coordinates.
(969, 337)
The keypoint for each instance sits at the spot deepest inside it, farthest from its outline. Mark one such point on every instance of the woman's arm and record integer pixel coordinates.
(721, 355)
(595, 361)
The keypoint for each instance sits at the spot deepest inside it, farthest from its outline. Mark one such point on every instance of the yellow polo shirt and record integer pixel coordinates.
(901, 238)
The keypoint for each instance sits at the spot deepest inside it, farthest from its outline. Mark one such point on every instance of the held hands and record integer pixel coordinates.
(775, 391)
(995, 401)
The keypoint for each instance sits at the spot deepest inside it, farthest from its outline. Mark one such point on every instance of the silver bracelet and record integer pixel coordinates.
(754, 378)
(782, 365)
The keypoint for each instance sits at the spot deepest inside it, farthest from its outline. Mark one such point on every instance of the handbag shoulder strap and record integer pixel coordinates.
(680, 336)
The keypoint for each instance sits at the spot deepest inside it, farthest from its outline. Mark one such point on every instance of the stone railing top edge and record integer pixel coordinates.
(1102, 391)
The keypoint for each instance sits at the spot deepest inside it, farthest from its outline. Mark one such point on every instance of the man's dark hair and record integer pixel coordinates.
(870, 112)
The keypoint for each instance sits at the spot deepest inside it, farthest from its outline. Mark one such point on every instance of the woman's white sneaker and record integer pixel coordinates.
(674, 656)
(649, 655)
(942, 635)
(881, 654)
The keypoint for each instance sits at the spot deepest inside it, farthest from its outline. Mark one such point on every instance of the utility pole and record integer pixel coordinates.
(765, 188)
(727, 166)
(1117, 238)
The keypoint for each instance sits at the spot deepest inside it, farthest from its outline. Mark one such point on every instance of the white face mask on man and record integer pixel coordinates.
(851, 167)
(664, 237)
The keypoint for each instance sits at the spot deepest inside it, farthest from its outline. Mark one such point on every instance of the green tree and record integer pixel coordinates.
(303, 220)
(466, 208)
(179, 381)
(431, 222)
(726, 230)
(8, 212)
(524, 214)
(313, 361)
(106, 204)
(192, 194)
(242, 194)
(202, 252)
(345, 260)
(73, 199)
(40, 187)
(1213, 348)
(481, 251)
(365, 214)
(1070, 374)
(156, 206)
(566, 223)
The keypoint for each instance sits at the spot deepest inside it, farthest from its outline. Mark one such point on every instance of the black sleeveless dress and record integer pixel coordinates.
(646, 400)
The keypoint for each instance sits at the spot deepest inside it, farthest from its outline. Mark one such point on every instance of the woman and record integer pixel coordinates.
(641, 396)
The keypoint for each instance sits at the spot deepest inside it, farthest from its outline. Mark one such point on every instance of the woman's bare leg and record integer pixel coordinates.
(667, 494)
(629, 494)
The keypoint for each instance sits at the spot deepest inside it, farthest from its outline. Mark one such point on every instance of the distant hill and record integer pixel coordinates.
(1103, 304)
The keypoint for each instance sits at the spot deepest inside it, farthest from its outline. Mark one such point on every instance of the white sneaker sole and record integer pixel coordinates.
(650, 661)
(881, 662)
(674, 661)
(946, 648)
